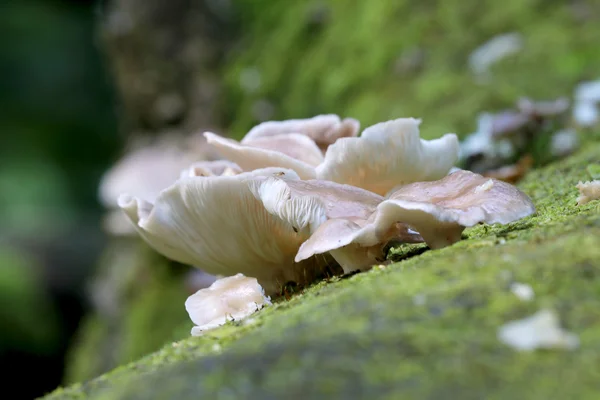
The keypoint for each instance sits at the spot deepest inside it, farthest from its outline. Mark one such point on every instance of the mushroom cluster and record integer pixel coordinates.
(299, 195)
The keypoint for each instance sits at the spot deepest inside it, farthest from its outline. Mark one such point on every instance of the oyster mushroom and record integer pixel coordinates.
(293, 151)
(441, 210)
(333, 214)
(218, 225)
(385, 156)
(227, 299)
(437, 211)
(324, 130)
(144, 172)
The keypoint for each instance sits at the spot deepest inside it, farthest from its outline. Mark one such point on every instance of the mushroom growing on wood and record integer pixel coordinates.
(441, 210)
(385, 156)
(218, 225)
(437, 211)
(145, 172)
(293, 151)
(333, 213)
(324, 130)
(227, 299)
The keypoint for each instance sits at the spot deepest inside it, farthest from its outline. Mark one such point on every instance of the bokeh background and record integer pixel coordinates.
(80, 81)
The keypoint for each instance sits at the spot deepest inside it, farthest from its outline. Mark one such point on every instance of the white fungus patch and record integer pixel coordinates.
(523, 291)
(542, 330)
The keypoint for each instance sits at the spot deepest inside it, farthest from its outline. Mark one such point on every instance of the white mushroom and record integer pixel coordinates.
(217, 224)
(388, 155)
(324, 130)
(211, 168)
(293, 151)
(440, 210)
(144, 172)
(334, 214)
(588, 191)
(228, 299)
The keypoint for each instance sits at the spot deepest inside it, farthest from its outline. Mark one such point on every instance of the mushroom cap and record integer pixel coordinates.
(144, 173)
(211, 168)
(588, 191)
(231, 298)
(352, 246)
(334, 213)
(294, 145)
(308, 204)
(279, 152)
(440, 210)
(387, 155)
(217, 224)
(324, 130)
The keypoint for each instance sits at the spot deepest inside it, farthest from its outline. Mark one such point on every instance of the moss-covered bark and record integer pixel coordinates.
(424, 327)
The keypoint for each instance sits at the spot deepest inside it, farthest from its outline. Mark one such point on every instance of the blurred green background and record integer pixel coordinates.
(371, 60)
(57, 136)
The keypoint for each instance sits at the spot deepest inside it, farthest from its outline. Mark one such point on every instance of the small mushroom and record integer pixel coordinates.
(218, 225)
(388, 155)
(588, 191)
(324, 130)
(293, 151)
(385, 156)
(227, 299)
(441, 210)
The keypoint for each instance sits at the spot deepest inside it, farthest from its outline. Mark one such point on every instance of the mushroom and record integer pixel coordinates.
(211, 168)
(228, 299)
(144, 172)
(293, 151)
(441, 210)
(385, 156)
(218, 225)
(324, 130)
(588, 191)
(333, 214)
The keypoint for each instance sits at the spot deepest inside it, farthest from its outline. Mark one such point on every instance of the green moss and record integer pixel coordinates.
(594, 170)
(347, 57)
(147, 293)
